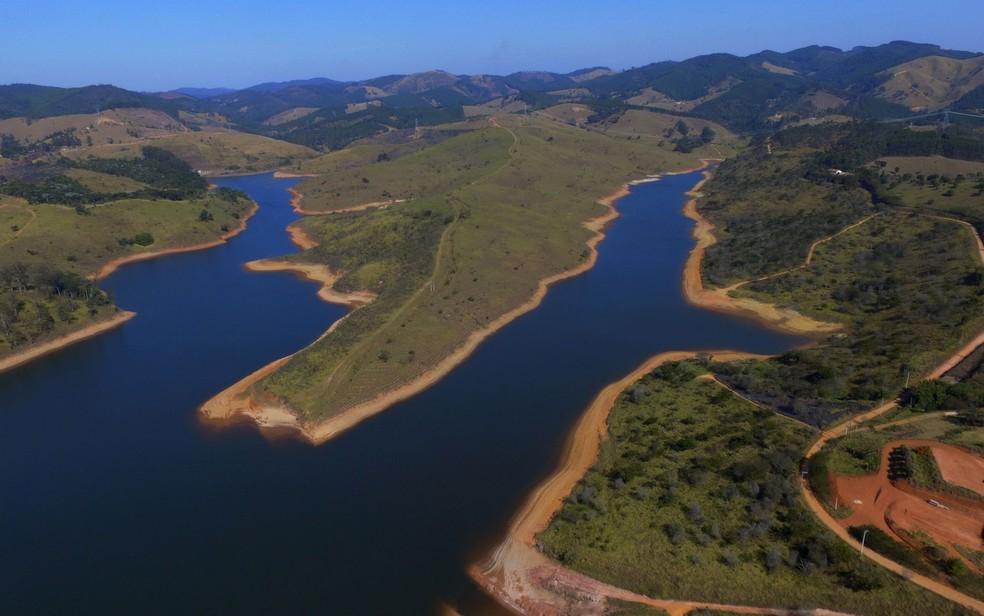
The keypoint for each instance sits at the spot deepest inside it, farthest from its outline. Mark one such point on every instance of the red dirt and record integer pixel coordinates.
(892, 507)
(960, 468)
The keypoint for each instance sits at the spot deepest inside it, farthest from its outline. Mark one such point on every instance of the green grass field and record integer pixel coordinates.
(495, 210)
(937, 185)
(105, 183)
(379, 173)
(695, 496)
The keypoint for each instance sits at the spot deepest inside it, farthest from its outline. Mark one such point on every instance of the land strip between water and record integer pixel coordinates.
(236, 400)
(524, 579)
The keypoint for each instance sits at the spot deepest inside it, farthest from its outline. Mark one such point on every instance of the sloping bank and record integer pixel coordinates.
(720, 299)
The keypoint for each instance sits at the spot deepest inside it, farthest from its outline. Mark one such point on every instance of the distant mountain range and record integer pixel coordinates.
(200, 92)
(745, 93)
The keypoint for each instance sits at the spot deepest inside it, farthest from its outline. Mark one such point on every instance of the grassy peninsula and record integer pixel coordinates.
(694, 496)
(475, 222)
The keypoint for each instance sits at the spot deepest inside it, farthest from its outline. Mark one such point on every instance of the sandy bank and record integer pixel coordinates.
(315, 273)
(237, 399)
(296, 196)
(719, 300)
(300, 237)
(46, 348)
(115, 264)
(283, 175)
(518, 574)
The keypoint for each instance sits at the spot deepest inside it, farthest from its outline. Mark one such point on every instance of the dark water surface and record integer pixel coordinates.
(114, 498)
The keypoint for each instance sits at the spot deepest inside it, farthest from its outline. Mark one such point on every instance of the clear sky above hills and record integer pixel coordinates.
(147, 45)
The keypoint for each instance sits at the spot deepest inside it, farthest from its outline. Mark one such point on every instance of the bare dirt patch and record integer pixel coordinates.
(897, 506)
(959, 467)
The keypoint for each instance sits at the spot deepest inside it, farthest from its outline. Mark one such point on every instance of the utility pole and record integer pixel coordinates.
(863, 537)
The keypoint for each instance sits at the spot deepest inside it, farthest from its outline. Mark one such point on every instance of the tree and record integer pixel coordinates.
(707, 135)
(9, 307)
(682, 128)
(205, 216)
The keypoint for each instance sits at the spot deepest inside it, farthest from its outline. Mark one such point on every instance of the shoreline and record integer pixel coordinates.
(224, 405)
(315, 273)
(233, 401)
(46, 348)
(94, 329)
(296, 196)
(524, 579)
(718, 300)
(110, 267)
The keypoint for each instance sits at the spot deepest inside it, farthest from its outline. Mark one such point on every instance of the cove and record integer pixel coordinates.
(114, 497)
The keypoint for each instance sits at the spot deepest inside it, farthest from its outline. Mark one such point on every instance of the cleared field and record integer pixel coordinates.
(635, 122)
(694, 496)
(375, 174)
(508, 104)
(572, 113)
(212, 152)
(94, 129)
(928, 165)
(649, 97)
(104, 182)
(290, 115)
(494, 211)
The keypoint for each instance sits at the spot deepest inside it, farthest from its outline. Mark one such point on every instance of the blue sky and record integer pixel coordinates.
(147, 45)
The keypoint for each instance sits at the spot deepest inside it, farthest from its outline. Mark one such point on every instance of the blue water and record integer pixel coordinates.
(114, 497)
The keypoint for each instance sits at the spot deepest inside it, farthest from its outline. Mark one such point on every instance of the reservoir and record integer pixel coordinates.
(114, 497)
